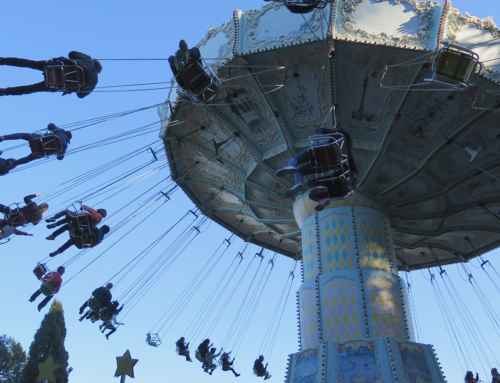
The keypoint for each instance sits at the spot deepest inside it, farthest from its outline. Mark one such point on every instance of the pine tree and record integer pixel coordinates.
(12, 360)
(49, 341)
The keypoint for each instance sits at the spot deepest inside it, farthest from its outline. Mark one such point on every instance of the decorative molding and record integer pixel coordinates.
(253, 17)
(229, 31)
(424, 10)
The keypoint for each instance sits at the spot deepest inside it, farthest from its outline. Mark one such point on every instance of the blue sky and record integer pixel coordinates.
(151, 30)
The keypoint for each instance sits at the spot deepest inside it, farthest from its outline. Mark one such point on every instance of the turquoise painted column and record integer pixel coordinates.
(354, 319)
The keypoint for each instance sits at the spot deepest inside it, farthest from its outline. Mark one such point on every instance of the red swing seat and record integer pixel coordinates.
(46, 145)
(40, 270)
(201, 82)
(64, 77)
(338, 187)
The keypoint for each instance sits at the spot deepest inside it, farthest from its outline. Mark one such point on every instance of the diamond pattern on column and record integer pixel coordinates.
(309, 252)
(308, 319)
(384, 304)
(303, 208)
(341, 310)
(336, 243)
(373, 252)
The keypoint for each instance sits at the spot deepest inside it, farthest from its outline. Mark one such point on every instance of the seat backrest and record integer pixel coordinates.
(54, 76)
(17, 219)
(46, 145)
(40, 270)
(64, 76)
(195, 77)
(325, 155)
(74, 76)
(455, 65)
(46, 289)
(95, 304)
(337, 187)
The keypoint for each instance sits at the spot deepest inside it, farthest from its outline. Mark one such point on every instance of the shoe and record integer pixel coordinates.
(286, 171)
(189, 360)
(50, 220)
(318, 190)
(1, 139)
(31, 300)
(39, 308)
(292, 192)
(51, 238)
(54, 254)
(51, 226)
(107, 337)
(322, 204)
(237, 375)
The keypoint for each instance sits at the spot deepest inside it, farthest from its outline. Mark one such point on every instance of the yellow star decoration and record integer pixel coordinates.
(46, 370)
(125, 365)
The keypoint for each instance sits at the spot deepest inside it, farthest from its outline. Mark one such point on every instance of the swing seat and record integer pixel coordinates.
(79, 225)
(64, 77)
(460, 66)
(94, 304)
(40, 270)
(256, 373)
(201, 82)
(46, 145)
(16, 219)
(106, 314)
(198, 356)
(46, 289)
(338, 187)
(328, 155)
(304, 6)
(153, 340)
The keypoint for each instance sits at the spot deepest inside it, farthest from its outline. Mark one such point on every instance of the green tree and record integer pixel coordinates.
(49, 341)
(12, 360)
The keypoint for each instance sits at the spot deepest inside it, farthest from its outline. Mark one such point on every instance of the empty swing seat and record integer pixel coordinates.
(153, 340)
(46, 145)
(64, 77)
(201, 82)
(40, 270)
(459, 65)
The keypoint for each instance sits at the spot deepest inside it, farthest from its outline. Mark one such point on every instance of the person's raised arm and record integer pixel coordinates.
(28, 198)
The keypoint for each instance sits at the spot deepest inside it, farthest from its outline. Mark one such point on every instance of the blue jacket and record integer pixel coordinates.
(64, 139)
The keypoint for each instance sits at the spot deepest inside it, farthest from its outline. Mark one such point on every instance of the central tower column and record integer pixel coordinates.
(354, 319)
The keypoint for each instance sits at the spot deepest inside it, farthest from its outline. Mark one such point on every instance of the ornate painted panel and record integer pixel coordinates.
(307, 366)
(342, 314)
(309, 250)
(336, 240)
(308, 306)
(383, 304)
(372, 242)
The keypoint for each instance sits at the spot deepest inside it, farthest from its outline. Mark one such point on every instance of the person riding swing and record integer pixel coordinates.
(76, 73)
(42, 143)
